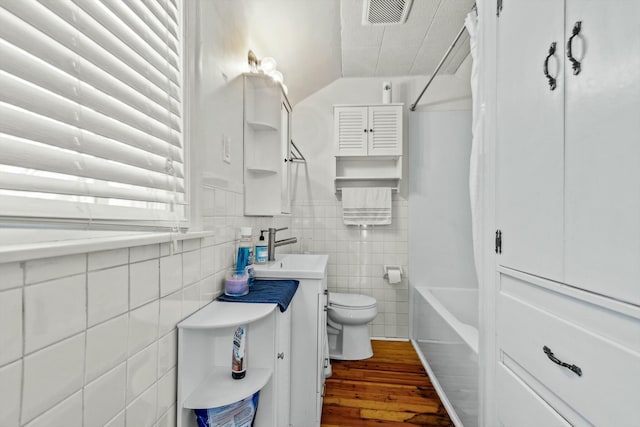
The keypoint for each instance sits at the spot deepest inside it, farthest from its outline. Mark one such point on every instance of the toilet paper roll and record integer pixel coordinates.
(394, 276)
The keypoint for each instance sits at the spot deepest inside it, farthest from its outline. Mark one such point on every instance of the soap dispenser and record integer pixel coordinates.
(262, 250)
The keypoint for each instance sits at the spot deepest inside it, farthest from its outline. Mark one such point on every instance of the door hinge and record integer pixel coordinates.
(498, 8)
(498, 241)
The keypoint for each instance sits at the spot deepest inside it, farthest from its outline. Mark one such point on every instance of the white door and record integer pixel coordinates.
(350, 131)
(530, 137)
(385, 130)
(603, 149)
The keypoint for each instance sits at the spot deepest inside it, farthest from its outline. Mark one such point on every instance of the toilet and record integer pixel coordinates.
(347, 325)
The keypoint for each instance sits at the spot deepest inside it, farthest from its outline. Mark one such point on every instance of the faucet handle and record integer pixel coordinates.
(283, 228)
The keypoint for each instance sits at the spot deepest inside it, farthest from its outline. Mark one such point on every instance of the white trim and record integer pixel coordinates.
(29, 251)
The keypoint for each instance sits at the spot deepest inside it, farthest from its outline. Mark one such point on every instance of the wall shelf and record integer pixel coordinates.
(265, 171)
(219, 389)
(262, 126)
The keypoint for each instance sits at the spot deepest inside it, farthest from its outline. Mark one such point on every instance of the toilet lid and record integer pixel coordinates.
(351, 300)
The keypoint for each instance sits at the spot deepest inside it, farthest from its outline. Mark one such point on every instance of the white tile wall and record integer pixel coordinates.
(54, 310)
(100, 345)
(67, 413)
(12, 275)
(357, 256)
(108, 293)
(144, 282)
(51, 375)
(11, 321)
(105, 397)
(10, 393)
(105, 346)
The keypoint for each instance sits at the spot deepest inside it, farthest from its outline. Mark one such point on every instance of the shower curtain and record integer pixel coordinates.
(477, 148)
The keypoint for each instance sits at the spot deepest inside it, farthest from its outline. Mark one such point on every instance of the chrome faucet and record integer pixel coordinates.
(273, 243)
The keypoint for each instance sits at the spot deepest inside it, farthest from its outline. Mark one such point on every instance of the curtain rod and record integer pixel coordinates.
(444, 58)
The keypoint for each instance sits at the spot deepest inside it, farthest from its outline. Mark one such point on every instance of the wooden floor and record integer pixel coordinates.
(390, 389)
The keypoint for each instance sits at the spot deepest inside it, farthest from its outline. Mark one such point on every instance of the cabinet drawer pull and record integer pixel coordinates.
(552, 80)
(575, 64)
(575, 369)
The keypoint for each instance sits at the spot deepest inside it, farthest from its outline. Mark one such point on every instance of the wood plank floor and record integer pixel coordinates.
(390, 389)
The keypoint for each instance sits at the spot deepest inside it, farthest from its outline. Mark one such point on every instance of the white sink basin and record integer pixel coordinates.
(293, 266)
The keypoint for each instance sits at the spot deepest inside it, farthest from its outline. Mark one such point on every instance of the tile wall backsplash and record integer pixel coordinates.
(357, 256)
(90, 339)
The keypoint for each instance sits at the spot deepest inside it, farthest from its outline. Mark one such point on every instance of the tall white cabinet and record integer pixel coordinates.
(267, 130)
(568, 213)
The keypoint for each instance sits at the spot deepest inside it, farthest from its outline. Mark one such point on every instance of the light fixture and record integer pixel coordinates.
(276, 76)
(253, 61)
(268, 65)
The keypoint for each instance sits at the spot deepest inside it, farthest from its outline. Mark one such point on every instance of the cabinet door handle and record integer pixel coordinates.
(573, 368)
(552, 80)
(371, 130)
(281, 355)
(575, 64)
(365, 131)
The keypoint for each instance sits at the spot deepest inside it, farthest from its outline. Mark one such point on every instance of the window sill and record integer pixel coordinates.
(15, 250)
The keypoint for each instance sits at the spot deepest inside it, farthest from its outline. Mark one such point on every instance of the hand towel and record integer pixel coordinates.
(366, 206)
(280, 292)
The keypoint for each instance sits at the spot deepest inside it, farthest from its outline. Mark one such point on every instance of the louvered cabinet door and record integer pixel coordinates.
(385, 130)
(350, 131)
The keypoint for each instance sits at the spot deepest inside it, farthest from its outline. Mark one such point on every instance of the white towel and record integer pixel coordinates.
(366, 206)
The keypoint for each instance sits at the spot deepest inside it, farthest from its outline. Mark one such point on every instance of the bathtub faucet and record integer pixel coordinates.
(273, 243)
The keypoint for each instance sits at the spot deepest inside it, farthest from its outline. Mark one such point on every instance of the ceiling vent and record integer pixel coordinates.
(385, 12)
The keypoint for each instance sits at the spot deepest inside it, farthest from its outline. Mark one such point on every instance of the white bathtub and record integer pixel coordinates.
(444, 332)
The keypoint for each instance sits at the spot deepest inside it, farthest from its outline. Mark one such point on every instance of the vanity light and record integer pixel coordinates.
(268, 65)
(276, 76)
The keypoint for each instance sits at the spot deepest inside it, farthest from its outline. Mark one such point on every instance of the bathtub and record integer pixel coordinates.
(444, 332)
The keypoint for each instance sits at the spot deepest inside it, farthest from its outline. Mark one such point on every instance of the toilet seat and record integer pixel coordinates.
(351, 301)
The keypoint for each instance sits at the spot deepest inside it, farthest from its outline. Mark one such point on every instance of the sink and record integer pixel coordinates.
(293, 266)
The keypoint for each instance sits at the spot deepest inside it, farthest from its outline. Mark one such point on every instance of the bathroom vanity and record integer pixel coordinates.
(309, 349)
(287, 352)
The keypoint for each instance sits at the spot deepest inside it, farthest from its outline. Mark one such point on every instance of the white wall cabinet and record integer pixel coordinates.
(568, 207)
(368, 144)
(267, 129)
(205, 342)
(568, 177)
(374, 130)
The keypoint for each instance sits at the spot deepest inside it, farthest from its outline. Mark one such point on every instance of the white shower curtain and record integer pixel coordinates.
(477, 146)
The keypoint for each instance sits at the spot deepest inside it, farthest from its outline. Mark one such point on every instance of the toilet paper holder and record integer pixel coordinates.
(388, 268)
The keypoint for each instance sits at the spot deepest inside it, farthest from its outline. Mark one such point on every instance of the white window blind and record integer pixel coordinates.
(91, 111)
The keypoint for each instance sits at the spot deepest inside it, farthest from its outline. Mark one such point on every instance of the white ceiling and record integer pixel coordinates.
(412, 48)
(318, 41)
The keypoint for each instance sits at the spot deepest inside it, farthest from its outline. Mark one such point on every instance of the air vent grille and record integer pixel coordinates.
(385, 12)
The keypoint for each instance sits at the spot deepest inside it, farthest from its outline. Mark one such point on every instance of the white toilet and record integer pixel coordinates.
(347, 325)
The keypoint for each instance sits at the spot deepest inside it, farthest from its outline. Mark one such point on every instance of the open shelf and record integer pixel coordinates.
(261, 125)
(219, 389)
(219, 314)
(266, 171)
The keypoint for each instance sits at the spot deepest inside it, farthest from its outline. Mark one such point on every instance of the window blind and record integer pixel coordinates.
(91, 121)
